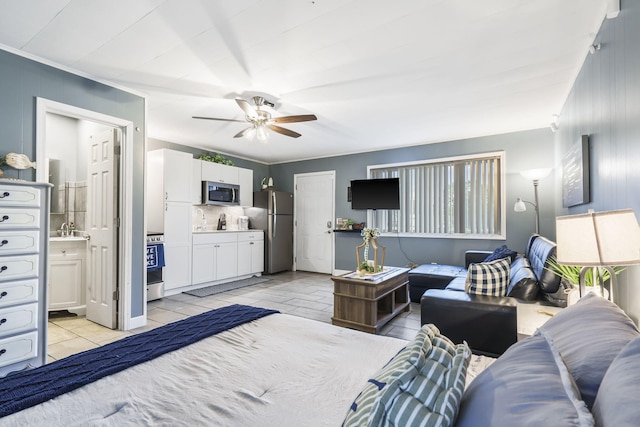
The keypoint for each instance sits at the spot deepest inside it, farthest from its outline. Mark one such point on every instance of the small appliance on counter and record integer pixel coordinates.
(222, 222)
(243, 223)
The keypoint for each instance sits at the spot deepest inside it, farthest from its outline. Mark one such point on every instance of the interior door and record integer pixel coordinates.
(102, 208)
(314, 212)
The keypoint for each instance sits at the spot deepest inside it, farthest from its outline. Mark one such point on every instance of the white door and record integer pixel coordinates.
(102, 206)
(314, 199)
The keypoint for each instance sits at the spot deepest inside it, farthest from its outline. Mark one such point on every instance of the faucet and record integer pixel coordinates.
(64, 228)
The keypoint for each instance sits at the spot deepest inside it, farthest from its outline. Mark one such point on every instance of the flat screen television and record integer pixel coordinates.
(383, 193)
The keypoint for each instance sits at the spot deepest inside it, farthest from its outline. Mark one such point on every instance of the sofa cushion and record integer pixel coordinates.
(430, 394)
(431, 276)
(589, 335)
(619, 389)
(527, 386)
(538, 252)
(488, 278)
(501, 252)
(522, 281)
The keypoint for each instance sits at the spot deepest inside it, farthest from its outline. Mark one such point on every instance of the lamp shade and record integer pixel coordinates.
(519, 205)
(536, 174)
(598, 239)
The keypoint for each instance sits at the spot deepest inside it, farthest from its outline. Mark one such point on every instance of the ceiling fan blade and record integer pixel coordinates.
(247, 108)
(222, 120)
(284, 131)
(244, 132)
(294, 119)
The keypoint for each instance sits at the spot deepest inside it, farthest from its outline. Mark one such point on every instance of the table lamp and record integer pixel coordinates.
(598, 241)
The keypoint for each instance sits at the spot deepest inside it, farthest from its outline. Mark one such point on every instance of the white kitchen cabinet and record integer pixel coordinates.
(245, 178)
(24, 230)
(67, 275)
(177, 244)
(169, 174)
(168, 206)
(217, 172)
(250, 253)
(214, 257)
(196, 182)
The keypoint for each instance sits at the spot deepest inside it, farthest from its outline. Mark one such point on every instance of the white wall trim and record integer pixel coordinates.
(44, 106)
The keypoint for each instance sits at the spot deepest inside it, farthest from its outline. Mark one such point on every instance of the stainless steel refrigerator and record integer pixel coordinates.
(273, 212)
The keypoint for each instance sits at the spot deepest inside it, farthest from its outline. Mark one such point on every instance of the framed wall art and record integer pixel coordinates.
(575, 174)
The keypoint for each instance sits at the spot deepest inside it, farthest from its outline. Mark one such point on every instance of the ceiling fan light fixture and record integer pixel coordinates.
(262, 134)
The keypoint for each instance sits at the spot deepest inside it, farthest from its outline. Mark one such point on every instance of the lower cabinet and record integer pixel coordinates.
(67, 273)
(250, 253)
(214, 257)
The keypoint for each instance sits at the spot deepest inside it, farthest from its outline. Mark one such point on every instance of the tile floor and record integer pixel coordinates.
(298, 293)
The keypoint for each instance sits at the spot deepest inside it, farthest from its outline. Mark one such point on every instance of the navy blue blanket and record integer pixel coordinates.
(23, 389)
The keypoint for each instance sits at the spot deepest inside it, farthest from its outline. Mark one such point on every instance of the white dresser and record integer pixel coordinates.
(24, 233)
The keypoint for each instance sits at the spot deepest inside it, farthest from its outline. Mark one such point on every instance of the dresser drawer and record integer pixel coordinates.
(19, 218)
(18, 267)
(21, 318)
(19, 242)
(19, 196)
(13, 293)
(18, 348)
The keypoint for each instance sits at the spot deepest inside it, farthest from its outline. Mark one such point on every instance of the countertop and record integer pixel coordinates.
(67, 239)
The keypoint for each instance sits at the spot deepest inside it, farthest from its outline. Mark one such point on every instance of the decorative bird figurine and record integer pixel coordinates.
(19, 161)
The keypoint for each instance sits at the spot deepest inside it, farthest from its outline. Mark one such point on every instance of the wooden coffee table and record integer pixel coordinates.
(368, 304)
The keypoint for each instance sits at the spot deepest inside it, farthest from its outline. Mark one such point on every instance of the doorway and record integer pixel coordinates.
(314, 200)
(120, 285)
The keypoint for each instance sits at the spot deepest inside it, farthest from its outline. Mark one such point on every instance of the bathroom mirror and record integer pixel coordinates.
(57, 192)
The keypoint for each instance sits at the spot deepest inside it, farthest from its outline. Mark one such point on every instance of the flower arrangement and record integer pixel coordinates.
(368, 234)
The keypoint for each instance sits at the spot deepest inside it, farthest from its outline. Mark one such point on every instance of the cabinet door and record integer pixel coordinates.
(244, 258)
(226, 260)
(66, 283)
(203, 264)
(177, 271)
(245, 179)
(177, 179)
(196, 181)
(217, 172)
(177, 224)
(257, 256)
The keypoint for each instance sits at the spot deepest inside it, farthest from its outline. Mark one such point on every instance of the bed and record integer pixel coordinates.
(274, 370)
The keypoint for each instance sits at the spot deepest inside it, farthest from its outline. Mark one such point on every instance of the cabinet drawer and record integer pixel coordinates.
(250, 236)
(19, 242)
(18, 348)
(19, 217)
(72, 248)
(18, 292)
(18, 267)
(18, 319)
(213, 238)
(19, 196)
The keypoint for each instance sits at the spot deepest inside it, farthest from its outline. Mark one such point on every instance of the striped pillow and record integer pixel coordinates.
(488, 278)
(425, 380)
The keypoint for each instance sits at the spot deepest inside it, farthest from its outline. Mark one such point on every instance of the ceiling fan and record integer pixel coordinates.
(261, 120)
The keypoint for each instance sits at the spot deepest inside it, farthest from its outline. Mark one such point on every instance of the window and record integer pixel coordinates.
(453, 197)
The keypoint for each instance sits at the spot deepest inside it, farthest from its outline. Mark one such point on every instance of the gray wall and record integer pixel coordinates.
(524, 150)
(21, 81)
(605, 104)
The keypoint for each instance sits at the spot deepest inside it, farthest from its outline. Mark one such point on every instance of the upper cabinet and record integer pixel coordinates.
(218, 172)
(196, 182)
(169, 174)
(245, 177)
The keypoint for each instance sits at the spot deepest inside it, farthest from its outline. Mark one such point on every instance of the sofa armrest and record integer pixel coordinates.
(488, 324)
(475, 256)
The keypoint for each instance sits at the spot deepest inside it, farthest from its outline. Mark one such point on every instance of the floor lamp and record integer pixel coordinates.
(598, 241)
(535, 175)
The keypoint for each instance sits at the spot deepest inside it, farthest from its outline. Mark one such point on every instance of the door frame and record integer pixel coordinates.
(125, 193)
(295, 215)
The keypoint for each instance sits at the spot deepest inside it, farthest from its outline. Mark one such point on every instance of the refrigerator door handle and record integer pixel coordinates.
(273, 225)
(273, 199)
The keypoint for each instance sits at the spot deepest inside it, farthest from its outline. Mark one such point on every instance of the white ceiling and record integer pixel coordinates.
(377, 73)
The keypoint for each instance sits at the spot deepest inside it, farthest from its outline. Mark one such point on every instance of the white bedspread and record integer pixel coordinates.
(280, 370)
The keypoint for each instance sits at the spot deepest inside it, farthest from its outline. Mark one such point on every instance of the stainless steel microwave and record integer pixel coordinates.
(220, 193)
